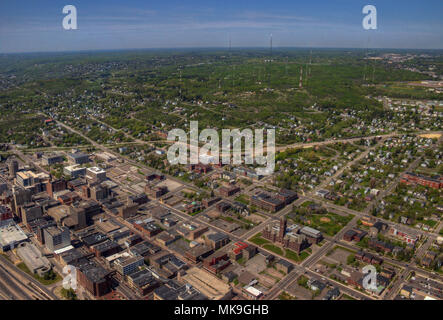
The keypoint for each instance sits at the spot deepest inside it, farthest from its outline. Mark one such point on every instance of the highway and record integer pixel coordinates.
(26, 285)
(12, 286)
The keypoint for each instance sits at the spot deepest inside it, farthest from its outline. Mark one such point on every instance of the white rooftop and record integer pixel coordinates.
(96, 170)
(255, 292)
(62, 250)
(10, 234)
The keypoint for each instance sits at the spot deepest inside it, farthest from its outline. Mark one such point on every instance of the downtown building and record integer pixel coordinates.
(288, 237)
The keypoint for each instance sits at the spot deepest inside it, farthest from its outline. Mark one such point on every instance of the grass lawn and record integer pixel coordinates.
(195, 213)
(296, 257)
(273, 248)
(241, 261)
(22, 266)
(303, 282)
(333, 226)
(430, 223)
(243, 199)
(292, 255)
(304, 255)
(258, 240)
(307, 203)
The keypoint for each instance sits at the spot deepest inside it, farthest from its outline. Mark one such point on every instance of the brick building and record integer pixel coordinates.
(288, 237)
(228, 191)
(94, 278)
(435, 182)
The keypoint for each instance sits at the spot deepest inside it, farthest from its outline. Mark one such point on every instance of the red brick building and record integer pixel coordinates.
(216, 262)
(435, 182)
(55, 186)
(94, 278)
(267, 202)
(290, 240)
(228, 191)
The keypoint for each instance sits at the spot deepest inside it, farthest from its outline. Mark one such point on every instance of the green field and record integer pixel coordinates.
(258, 240)
(273, 248)
(328, 223)
(296, 257)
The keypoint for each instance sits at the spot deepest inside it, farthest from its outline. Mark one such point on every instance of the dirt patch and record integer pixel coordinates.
(430, 136)
(257, 264)
(171, 185)
(340, 255)
(256, 218)
(274, 273)
(266, 280)
(213, 213)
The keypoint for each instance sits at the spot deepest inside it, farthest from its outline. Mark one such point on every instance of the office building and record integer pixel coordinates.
(57, 238)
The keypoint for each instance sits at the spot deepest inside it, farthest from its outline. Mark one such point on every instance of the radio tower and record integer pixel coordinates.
(373, 70)
(310, 63)
(286, 66)
(301, 78)
(270, 63)
(232, 64)
(180, 90)
(366, 62)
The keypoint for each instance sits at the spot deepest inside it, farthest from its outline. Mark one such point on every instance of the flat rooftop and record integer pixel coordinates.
(209, 285)
(107, 226)
(32, 256)
(77, 155)
(59, 212)
(26, 174)
(10, 234)
(96, 170)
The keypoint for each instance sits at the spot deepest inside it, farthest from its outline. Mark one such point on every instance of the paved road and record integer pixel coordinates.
(303, 268)
(130, 161)
(25, 278)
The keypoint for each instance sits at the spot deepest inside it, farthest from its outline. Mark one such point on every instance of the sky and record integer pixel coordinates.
(36, 26)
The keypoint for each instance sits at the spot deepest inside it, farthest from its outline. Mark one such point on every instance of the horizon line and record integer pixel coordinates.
(217, 48)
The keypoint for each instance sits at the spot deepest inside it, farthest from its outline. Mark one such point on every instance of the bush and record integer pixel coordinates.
(350, 259)
(69, 294)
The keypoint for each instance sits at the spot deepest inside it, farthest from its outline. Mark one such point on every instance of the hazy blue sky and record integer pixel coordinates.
(30, 25)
